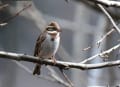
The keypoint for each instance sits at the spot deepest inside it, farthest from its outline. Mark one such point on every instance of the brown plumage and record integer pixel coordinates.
(40, 39)
(47, 44)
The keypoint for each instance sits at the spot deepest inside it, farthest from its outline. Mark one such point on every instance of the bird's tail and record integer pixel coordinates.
(37, 69)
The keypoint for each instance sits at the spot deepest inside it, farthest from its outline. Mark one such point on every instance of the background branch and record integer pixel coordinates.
(5, 21)
(57, 78)
(109, 17)
(107, 34)
(107, 2)
(53, 75)
(3, 6)
(103, 54)
(66, 77)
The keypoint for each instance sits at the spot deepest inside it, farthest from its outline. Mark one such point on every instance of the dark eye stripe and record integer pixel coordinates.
(51, 29)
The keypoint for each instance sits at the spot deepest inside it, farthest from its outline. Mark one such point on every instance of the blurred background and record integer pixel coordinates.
(82, 24)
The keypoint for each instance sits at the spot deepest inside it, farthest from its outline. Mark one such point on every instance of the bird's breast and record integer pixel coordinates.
(49, 47)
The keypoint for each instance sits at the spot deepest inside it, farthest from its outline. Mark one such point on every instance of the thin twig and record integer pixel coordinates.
(3, 6)
(87, 48)
(109, 17)
(3, 24)
(100, 41)
(102, 54)
(12, 17)
(107, 34)
(66, 77)
(107, 2)
(54, 75)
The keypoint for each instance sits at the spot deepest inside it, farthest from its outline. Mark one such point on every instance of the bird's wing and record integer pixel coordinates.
(39, 41)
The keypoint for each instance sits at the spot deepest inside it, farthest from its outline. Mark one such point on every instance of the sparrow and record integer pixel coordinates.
(47, 44)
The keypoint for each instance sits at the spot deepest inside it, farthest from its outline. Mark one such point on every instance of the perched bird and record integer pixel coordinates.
(47, 44)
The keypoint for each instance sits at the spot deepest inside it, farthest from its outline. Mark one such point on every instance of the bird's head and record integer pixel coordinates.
(53, 28)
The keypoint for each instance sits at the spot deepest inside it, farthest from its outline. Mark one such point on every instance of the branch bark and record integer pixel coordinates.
(107, 2)
(60, 64)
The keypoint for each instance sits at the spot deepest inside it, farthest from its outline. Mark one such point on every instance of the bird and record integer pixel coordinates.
(47, 44)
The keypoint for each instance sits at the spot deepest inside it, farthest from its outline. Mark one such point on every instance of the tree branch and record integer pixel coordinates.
(60, 64)
(103, 54)
(107, 3)
(5, 21)
(3, 6)
(100, 41)
(56, 77)
(66, 77)
(109, 17)
(107, 34)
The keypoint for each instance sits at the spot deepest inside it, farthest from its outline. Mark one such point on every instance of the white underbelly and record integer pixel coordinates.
(49, 47)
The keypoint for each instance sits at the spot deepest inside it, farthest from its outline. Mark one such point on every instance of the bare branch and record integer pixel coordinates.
(57, 78)
(87, 48)
(3, 6)
(109, 17)
(4, 22)
(66, 77)
(107, 2)
(100, 41)
(102, 54)
(107, 34)
(62, 64)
